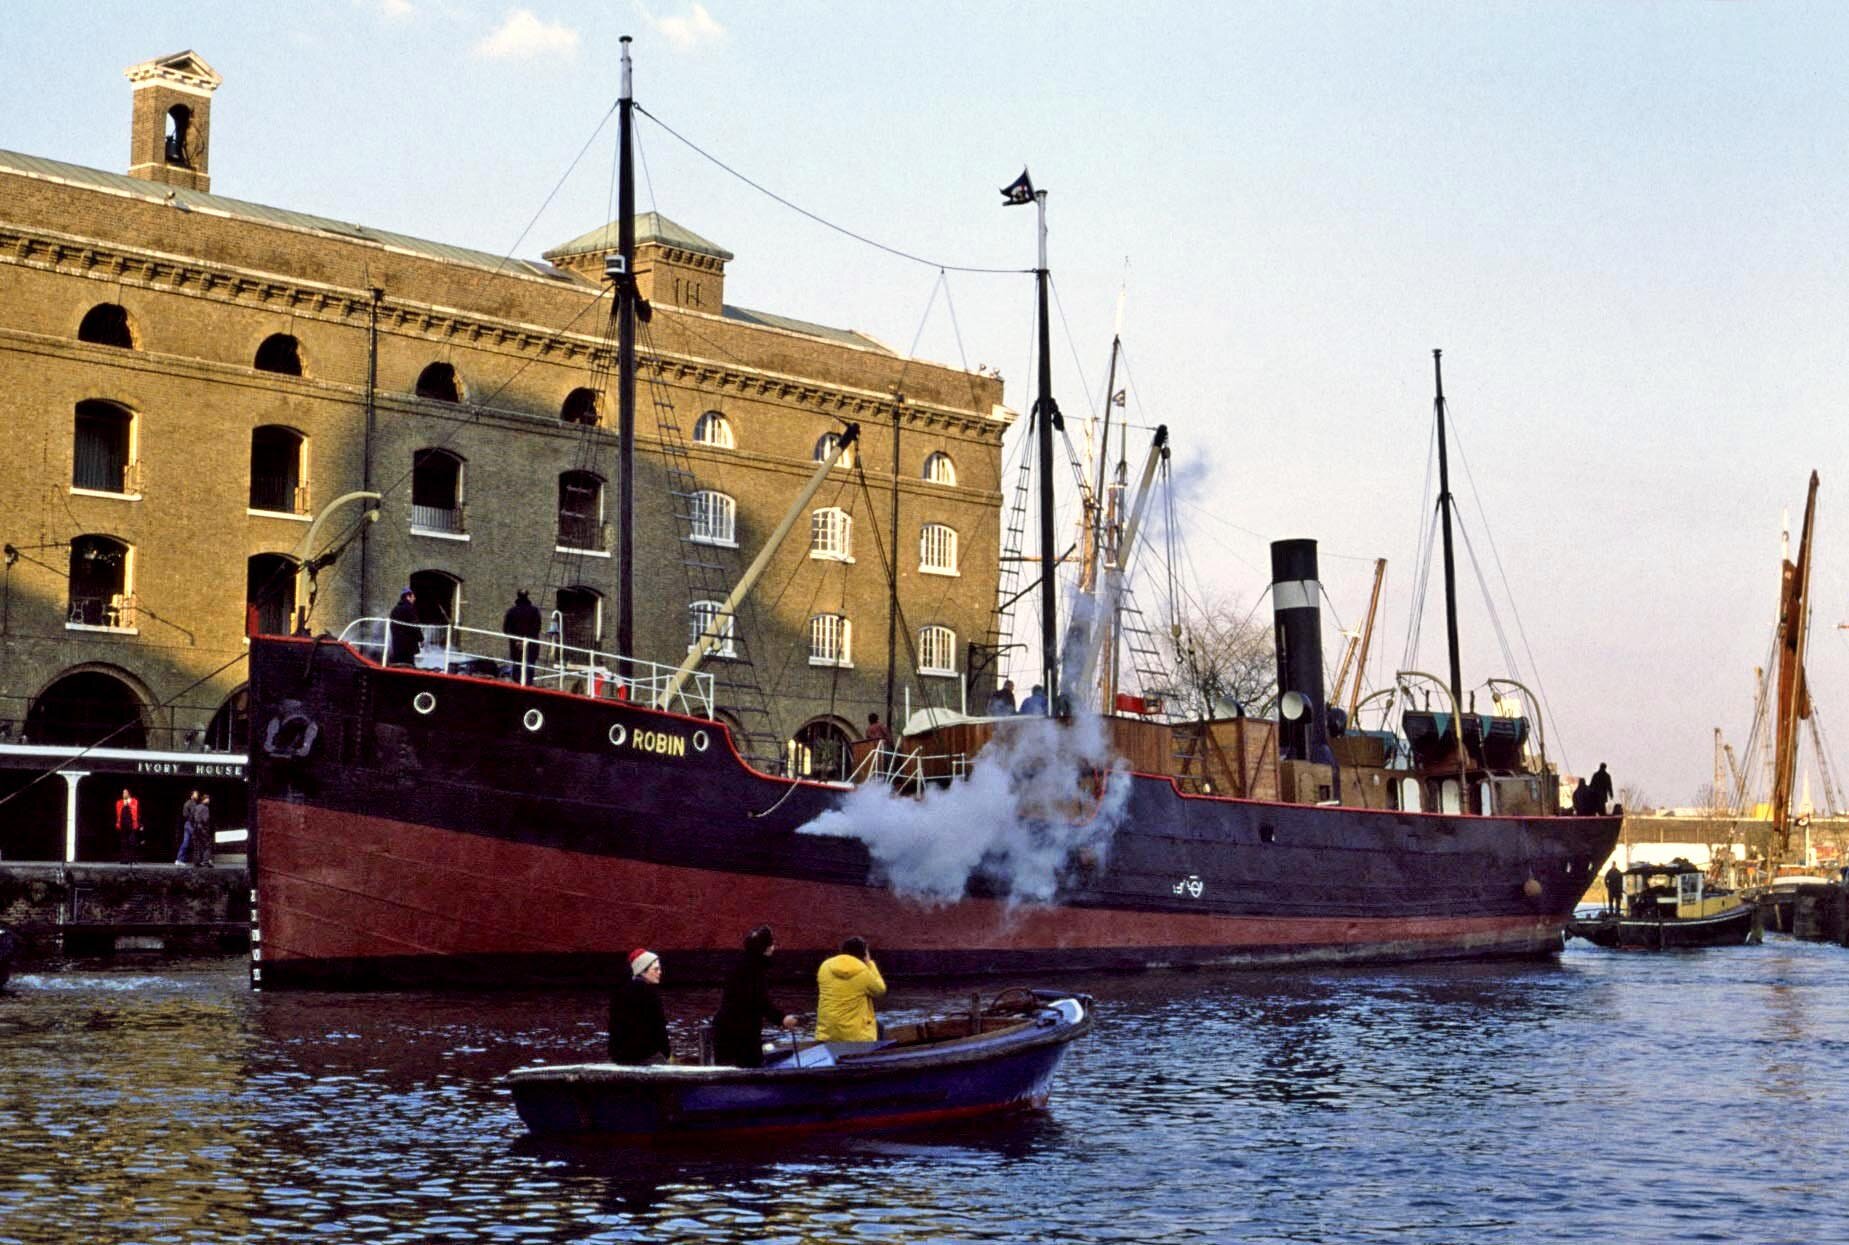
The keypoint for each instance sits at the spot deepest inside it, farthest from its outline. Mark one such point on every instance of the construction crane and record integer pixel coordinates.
(1355, 652)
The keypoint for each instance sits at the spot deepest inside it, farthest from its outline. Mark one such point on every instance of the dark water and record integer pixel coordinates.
(1613, 1096)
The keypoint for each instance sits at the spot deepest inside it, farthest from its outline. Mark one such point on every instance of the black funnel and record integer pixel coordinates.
(1296, 603)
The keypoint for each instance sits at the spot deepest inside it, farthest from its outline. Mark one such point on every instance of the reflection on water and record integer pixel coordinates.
(1615, 1095)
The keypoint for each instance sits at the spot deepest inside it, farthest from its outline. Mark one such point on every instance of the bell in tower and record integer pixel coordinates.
(171, 128)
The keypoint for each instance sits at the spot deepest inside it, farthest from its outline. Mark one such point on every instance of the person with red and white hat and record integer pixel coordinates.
(638, 1024)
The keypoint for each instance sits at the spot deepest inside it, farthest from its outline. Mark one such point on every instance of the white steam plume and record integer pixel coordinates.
(1025, 808)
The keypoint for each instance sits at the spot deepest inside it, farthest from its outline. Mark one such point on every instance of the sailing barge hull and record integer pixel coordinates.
(447, 829)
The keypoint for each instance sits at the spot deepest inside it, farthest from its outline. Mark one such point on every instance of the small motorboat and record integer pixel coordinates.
(982, 1061)
(1672, 905)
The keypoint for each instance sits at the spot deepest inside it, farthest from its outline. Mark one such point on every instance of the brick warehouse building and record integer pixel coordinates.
(187, 380)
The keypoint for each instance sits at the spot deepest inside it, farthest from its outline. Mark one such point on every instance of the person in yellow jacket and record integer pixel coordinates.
(847, 984)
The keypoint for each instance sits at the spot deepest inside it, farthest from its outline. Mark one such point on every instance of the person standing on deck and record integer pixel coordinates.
(745, 1006)
(1001, 701)
(846, 986)
(638, 1024)
(521, 623)
(878, 732)
(1035, 704)
(1614, 888)
(128, 827)
(405, 637)
(1600, 786)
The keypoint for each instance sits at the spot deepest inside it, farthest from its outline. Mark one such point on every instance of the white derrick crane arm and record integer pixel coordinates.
(1114, 574)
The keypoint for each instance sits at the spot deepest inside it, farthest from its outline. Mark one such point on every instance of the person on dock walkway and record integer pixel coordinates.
(128, 827)
(521, 620)
(1600, 786)
(745, 1006)
(196, 844)
(846, 986)
(638, 1024)
(184, 852)
(1614, 888)
(406, 636)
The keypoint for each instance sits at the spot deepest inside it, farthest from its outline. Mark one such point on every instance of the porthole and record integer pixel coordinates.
(423, 702)
(534, 719)
(619, 734)
(700, 741)
(1268, 834)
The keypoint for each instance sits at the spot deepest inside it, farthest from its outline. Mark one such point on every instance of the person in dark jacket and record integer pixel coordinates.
(1600, 787)
(522, 621)
(745, 1006)
(1582, 799)
(638, 1025)
(407, 637)
(1614, 888)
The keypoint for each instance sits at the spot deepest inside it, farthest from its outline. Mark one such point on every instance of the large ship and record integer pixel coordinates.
(528, 815)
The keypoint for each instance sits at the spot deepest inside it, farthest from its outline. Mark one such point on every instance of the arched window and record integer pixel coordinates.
(831, 533)
(229, 729)
(102, 584)
(269, 594)
(436, 493)
(87, 707)
(819, 750)
(103, 449)
(276, 476)
(580, 618)
(937, 651)
(107, 324)
(939, 469)
(439, 381)
(580, 407)
(279, 353)
(826, 446)
(715, 430)
(831, 640)
(937, 552)
(439, 601)
(700, 618)
(179, 136)
(715, 518)
(580, 511)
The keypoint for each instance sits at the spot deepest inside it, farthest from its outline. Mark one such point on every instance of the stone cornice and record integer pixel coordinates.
(71, 255)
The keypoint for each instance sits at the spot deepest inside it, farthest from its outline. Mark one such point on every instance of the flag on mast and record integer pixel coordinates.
(1020, 190)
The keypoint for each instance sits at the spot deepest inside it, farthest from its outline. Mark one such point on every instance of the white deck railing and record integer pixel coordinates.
(550, 663)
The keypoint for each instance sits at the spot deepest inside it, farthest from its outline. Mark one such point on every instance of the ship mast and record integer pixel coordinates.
(1047, 421)
(1793, 694)
(625, 312)
(1444, 507)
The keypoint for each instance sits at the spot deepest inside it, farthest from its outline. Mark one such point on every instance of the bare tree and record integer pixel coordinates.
(1632, 798)
(1222, 653)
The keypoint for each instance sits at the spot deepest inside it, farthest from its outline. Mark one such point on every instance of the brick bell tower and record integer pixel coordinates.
(169, 139)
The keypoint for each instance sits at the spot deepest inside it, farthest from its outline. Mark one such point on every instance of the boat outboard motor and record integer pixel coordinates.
(1296, 603)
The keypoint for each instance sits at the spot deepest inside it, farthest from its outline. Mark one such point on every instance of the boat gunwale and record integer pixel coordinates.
(890, 1062)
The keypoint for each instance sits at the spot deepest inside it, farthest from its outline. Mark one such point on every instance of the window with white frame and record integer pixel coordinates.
(580, 511)
(830, 640)
(700, 618)
(831, 534)
(937, 651)
(102, 584)
(715, 518)
(937, 554)
(826, 446)
(715, 430)
(103, 449)
(939, 469)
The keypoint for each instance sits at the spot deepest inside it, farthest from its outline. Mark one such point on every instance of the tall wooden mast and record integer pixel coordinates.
(1444, 507)
(1793, 696)
(625, 310)
(1047, 421)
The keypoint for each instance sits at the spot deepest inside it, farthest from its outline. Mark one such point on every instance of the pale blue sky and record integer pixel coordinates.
(1624, 223)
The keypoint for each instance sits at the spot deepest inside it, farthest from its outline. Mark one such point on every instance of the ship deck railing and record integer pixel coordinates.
(909, 770)
(550, 663)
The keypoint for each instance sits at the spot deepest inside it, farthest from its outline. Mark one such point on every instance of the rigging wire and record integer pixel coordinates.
(818, 219)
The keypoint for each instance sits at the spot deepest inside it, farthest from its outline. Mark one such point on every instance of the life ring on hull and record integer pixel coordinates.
(291, 734)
